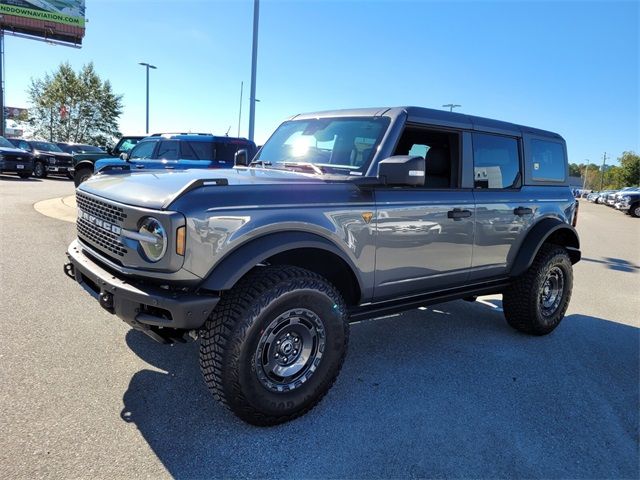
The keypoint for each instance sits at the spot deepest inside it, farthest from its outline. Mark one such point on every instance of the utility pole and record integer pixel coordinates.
(254, 62)
(451, 106)
(148, 66)
(586, 172)
(604, 163)
(240, 112)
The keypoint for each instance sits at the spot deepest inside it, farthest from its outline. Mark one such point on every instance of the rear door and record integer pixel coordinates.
(504, 209)
(425, 234)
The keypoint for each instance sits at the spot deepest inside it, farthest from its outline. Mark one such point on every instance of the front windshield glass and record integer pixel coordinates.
(335, 145)
(6, 143)
(46, 146)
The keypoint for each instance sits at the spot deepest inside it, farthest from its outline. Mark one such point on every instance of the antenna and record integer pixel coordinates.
(228, 129)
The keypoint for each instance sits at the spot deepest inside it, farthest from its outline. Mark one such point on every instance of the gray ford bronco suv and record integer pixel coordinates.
(340, 216)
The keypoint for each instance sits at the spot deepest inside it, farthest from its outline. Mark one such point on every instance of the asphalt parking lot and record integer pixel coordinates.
(448, 391)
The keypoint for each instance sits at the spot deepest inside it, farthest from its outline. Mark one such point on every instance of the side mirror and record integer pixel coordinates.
(124, 156)
(402, 170)
(241, 158)
(109, 150)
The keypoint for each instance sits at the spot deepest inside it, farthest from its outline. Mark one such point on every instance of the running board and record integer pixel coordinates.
(395, 306)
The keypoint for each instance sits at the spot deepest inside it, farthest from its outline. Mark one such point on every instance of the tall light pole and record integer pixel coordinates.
(254, 62)
(148, 66)
(451, 106)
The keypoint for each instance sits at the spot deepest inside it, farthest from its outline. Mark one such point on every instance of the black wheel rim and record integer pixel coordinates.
(289, 350)
(552, 291)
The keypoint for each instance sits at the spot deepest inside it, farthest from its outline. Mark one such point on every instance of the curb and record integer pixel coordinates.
(61, 208)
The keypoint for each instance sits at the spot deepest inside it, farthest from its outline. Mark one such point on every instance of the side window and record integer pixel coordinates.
(168, 150)
(225, 151)
(496, 161)
(143, 150)
(24, 145)
(548, 160)
(197, 150)
(441, 153)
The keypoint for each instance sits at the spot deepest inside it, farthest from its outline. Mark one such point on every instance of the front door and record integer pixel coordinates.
(424, 236)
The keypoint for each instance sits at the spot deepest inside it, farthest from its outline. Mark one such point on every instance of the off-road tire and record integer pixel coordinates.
(522, 299)
(39, 170)
(230, 339)
(24, 175)
(81, 175)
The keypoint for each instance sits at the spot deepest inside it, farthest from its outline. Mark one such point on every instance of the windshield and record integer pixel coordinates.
(46, 146)
(336, 145)
(6, 143)
(85, 149)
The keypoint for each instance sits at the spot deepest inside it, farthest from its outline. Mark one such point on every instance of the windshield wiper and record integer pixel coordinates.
(308, 165)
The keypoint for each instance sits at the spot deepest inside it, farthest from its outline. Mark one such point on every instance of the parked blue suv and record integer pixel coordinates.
(179, 151)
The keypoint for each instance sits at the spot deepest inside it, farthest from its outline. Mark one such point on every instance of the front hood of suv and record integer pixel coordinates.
(157, 188)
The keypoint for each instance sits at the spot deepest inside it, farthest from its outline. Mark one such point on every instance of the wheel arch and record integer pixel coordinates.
(301, 249)
(547, 230)
(84, 164)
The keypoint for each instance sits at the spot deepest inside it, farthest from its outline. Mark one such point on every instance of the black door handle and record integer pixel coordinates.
(520, 211)
(457, 213)
(139, 166)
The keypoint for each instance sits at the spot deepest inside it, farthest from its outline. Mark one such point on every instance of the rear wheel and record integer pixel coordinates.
(81, 175)
(275, 344)
(536, 302)
(39, 170)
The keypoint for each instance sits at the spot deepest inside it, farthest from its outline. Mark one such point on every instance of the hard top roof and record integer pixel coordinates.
(431, 115)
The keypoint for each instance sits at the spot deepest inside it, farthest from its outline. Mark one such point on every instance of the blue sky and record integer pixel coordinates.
(570, 67)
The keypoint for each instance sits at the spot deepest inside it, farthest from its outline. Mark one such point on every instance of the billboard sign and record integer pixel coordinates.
(17, 114)
(60, 20)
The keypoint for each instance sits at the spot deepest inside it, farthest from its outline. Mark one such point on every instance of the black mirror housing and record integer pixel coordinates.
(402, 170)
(241, 158)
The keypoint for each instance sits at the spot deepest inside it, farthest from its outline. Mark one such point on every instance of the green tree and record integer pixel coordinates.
(574, 170)
(74, 107)
(629, 174)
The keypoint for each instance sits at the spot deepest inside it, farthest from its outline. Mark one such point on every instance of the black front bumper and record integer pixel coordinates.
(141, 306)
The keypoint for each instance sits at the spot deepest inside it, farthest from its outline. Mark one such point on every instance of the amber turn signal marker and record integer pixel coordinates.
(181, 233)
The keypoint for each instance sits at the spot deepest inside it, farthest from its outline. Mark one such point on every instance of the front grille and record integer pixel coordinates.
(100, 209)
(100, 237)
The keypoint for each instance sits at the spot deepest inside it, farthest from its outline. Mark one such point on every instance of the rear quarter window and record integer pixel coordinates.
(548, 161)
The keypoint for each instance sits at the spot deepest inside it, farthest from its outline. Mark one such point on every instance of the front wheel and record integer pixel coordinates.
(81, 175)
(536, 302)
(634, 210)
(275, 344)
(39, 170)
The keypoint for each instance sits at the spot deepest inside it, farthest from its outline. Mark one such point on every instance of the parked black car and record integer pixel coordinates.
(630, 203)
(47, 156)
(15, 160)
(75, 148)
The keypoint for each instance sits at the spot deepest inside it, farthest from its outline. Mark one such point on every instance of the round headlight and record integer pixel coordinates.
(156, 245)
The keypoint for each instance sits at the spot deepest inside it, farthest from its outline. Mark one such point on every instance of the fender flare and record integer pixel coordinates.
(226, 273)
(84, 164)
(538, 234)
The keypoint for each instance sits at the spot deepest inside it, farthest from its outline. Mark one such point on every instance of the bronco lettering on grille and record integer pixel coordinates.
(98, 222)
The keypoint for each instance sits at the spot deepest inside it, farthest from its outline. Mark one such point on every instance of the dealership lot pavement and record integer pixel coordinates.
(449, 391)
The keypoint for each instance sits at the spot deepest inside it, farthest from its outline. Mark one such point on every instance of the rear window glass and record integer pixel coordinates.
(548, 161)
(168, 150)
(496, 163)
(197, 150)
(226, 151)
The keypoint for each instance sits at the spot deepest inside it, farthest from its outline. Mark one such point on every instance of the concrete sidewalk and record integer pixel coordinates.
(61, 208)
